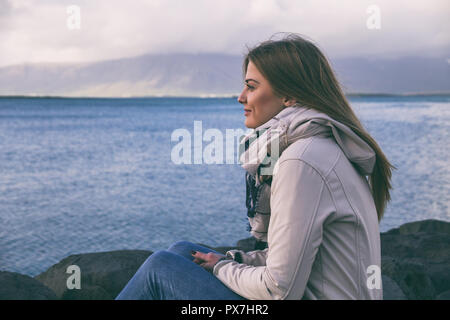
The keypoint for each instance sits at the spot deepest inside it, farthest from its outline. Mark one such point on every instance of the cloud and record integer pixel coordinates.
(5, 13)
(36, 30)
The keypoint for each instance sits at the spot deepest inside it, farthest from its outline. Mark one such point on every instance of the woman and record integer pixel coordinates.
(313, 172)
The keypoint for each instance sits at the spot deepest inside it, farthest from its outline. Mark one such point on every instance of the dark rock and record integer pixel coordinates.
(444, 295)
(427, 226)
(16, 286)
(247, 244)
(415, 264)
(417, 257)
(391, 291)
(425, 244)
(89, 292)
(103, 274)
(410, 276)
(250, 244)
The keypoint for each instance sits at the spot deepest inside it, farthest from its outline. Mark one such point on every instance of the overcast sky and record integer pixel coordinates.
(37, 30)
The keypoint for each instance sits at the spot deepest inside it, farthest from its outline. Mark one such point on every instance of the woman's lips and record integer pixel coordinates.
(247, 112)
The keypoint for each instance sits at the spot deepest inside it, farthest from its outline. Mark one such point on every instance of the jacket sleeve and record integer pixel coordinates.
(294, 236)
(252, 258)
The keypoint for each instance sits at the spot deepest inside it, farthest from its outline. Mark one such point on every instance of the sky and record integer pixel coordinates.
(49, 31)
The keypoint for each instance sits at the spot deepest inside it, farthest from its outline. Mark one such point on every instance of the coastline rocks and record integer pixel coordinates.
(103, 274)
(391, 290)
(415, 264)
(16, 286)
(417, 257)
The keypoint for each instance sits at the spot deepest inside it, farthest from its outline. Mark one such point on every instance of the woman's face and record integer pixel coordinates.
(260, 103)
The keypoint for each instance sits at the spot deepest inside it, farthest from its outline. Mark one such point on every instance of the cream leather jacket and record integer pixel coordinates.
(323, 236)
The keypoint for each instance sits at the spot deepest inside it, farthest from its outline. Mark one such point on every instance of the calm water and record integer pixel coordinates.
(89, 175)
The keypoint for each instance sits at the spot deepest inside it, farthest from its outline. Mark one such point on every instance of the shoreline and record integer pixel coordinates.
(415, 261)
(222, 96)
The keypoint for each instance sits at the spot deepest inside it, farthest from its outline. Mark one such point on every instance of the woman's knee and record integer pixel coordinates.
(181, 245)
(157, 260)
(182, 248)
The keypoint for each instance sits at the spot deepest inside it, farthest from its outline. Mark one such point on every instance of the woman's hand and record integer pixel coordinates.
(207, 260)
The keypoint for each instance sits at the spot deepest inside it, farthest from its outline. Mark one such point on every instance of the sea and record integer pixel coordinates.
(81, 175)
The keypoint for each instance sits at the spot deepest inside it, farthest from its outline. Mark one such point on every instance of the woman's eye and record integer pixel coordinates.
(249, 86)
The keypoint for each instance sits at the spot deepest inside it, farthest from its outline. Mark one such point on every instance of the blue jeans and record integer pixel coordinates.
(172, 275)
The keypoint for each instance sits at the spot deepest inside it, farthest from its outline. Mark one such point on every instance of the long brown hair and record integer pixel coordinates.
(297, 69)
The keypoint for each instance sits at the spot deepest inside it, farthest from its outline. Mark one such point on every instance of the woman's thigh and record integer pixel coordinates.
(171, 275)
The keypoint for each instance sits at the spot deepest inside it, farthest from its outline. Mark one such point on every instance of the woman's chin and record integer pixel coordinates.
(249, 124)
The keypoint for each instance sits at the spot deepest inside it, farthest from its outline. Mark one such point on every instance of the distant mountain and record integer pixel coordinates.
(208, 75)
(394, 76)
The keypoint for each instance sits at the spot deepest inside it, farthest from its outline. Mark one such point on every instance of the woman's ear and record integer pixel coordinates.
(288, 102)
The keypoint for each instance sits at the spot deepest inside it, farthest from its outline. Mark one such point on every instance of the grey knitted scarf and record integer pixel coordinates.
(261, 149)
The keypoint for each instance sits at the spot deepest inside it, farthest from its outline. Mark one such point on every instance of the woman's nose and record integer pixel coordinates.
(242, 98)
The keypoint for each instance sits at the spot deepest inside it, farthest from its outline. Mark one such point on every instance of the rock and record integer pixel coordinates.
(417, 257)
(103, 274)
(426, 226)
(250, 244)
(444, 295)
(391, 291)
(415, 264)
(410, 276)
(247, 244)
(16, 286)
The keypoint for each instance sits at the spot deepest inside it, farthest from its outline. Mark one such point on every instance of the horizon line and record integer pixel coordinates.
(213, 96)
